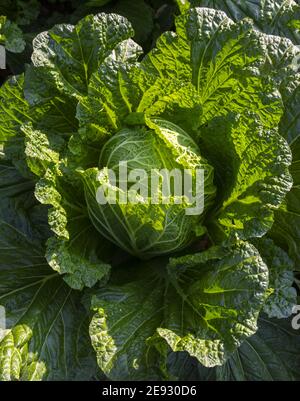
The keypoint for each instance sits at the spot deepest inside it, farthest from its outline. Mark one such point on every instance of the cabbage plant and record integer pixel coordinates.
(145, 223)
(158, 285)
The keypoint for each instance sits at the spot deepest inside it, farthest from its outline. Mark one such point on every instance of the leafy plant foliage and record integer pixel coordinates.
(138, 290)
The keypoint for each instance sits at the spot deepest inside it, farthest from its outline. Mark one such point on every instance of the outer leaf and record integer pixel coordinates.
(14, 110)
(181, 366)
(119, 330)
(282, 296)
(63, 60)
(222, 60)
(217, 288)
(18, 205)
(41, 150)
(49, 87)
(77, 250)
(200, 308)
(271, 354)
(128, 97)
(72, 53)
(286, 231)
(46, 324)
(256, 178)
(224, 76)
(276, 17)
(76, 253)
(282, 60)
(78, 260)
(53, 105)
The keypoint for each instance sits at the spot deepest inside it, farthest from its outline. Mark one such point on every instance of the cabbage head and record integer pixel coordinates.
(145, 223)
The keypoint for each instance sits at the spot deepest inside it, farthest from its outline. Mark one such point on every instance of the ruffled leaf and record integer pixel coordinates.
(275, 17)
(282, 295)
(222, 291)
(256, 178)
(46, 325)
(72, 53)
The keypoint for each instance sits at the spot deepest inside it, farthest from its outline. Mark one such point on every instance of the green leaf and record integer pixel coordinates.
(282, 295)
(275, 17)
(222, 60)
(282, 62)
(77, 250)
(46, 335)
(272, 354)
(256, 178)
(77, 259)
(181, 366)
(11, 36)
(41, 150)
(285, 230)
(119, 330)
(70, 54)
(76, 253)
(205, 304)
(49, 102)
(16, 113)
(13, 112)
(13, 107)
(64, 59)
(217, 288)
(107, 104)
(18, 205)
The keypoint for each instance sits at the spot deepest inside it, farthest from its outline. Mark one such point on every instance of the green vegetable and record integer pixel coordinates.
(160, 286)
(139, 226)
